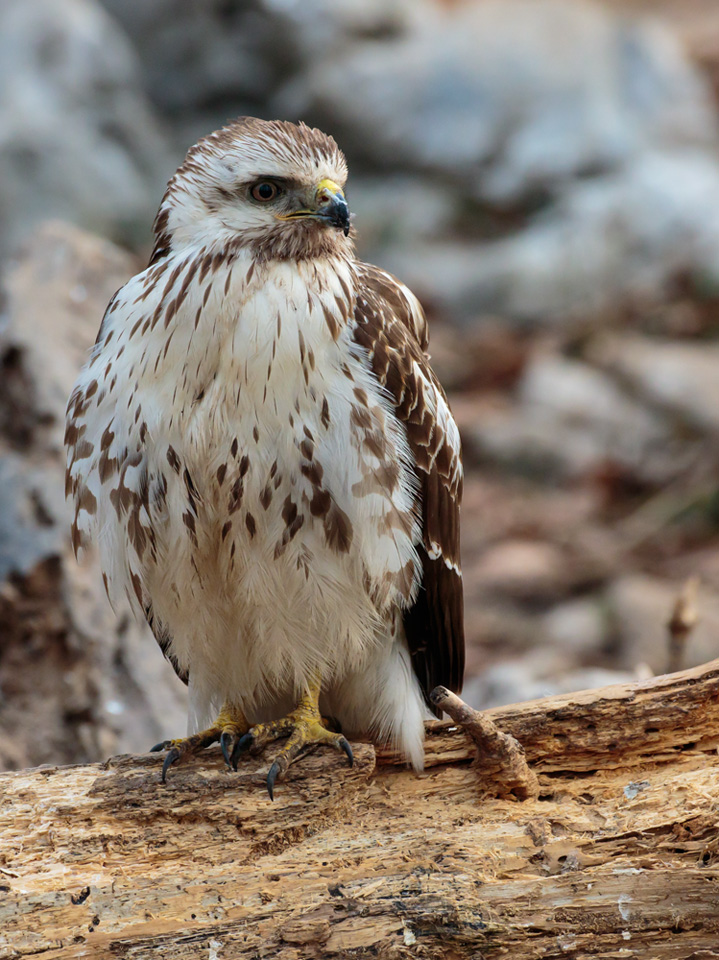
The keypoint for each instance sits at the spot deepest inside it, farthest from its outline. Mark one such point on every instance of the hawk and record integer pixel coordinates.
(269, 463)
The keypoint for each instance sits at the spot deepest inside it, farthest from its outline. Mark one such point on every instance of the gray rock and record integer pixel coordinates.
(397, 210)
(578, 627)
(604, 240)
(77, 137)
(680, 377)
(487, 92)
(211, 59)
(322, 29)
(571, 419)
(611, 136)
(602, 148)
(208, 62)
(57, 292)
(543, 673)
(30, 516)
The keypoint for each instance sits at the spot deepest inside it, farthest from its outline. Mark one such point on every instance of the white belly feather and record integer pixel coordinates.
(279, 538)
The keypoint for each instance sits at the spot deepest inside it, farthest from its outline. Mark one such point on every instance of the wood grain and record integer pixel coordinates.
(617, 858)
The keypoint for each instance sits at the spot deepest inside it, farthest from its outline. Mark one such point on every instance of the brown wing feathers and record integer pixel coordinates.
(395, 336)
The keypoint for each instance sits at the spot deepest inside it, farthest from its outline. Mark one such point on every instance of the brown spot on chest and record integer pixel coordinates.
(189, 520)
(86, 501)
(107, 437)
(106, 466)
(173, 459)
(83, 450)
(332, 322)
(236, 492)
(266, 496)
(338, 529)
(321, 502)
(250, 524)
(314, 473)
(73, 433)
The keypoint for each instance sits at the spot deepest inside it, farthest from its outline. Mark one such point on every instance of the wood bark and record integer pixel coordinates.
(618, 856)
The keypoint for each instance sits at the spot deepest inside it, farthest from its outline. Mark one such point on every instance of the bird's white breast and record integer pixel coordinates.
(277, 489)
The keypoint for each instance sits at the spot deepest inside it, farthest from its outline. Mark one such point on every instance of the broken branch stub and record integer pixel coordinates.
(500, 758)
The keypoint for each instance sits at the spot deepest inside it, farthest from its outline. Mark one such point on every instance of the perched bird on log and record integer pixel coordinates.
(268, 462)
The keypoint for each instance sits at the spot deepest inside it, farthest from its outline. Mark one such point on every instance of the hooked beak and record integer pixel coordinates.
(329, 206)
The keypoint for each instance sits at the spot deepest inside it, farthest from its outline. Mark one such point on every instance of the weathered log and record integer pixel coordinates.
(618, 857)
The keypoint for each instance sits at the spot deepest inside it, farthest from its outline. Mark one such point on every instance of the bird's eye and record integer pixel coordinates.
(264, 191)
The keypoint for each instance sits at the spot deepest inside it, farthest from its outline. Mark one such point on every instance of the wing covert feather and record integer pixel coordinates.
(391, 326)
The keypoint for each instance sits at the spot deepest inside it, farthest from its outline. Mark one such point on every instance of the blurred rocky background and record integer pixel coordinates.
(545, 175)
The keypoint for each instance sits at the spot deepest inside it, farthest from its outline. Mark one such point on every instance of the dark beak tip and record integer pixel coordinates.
(342, 216)
(336, 211)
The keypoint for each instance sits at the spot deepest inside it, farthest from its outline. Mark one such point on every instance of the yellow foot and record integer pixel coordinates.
(229, 728)
(304, 728)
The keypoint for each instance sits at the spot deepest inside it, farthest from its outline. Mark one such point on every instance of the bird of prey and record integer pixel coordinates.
(269, 463)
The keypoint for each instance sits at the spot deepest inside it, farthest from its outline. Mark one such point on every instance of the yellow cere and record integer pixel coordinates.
(329, 186)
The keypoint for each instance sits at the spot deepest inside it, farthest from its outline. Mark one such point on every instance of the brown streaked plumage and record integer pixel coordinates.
(273, 467)
(396, 340)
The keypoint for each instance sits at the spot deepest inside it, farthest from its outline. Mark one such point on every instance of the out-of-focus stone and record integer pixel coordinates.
(397, 209)
(578, 627)
(317, 29)
(93, 681)
(77, 137)
(543, 673)
(682, 377)
(58, 290)
(30, 511)
(640, 607)
(494, 168)
(570, 419)
(605, 239)
(521, 569)
(601, 148)
(695, 22)
(205, 63)
(488, 92)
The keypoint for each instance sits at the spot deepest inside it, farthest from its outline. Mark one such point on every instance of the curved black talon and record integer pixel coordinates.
(277, 766)
(162, 745)
(242, 746)
(172, 757)
(271, 777)
(225, 744)
(345, 745)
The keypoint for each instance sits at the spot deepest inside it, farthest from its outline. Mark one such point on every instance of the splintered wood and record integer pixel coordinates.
(617, 857)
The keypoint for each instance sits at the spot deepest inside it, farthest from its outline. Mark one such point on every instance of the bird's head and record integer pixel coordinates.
(273, 187)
